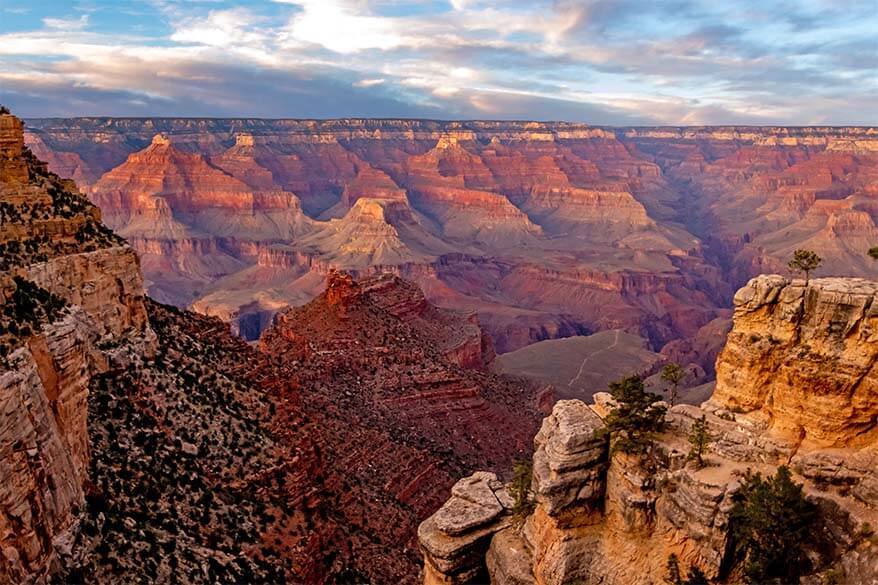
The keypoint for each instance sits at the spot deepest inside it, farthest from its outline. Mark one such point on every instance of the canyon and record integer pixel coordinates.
(383, 265)
(546, 230)
(140, 441)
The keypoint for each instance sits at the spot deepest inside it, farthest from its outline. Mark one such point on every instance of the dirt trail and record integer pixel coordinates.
(588, 357)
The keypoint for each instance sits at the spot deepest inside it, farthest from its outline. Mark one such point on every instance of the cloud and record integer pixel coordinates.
(66, 24)
(599, 61)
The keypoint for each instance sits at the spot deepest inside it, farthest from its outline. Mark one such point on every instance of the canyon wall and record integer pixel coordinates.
(530, 224)
(72, 299)
(801, 358)
(794, 387)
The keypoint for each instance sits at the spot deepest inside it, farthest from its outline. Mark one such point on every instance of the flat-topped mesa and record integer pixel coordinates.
(800, 359)
(244, 140)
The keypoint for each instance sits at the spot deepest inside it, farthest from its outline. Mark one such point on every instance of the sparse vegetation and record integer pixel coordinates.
(522, 476)
(804, 261)
(699, 439)
(24, 312)
(636, 417)
(674, 577)
(673, 374)
(180, 476)
(772, 525)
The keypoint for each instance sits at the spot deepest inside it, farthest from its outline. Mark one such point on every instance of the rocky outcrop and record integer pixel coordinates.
(400, 406)
(44, 459)
(570, 459)
(801, 358)
(455, 539)
(615, 518)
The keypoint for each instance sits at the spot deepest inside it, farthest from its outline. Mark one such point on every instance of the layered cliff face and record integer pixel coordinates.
(801, 359)
(72, 302)
(793, 388)
(145, 442)
(659, 226)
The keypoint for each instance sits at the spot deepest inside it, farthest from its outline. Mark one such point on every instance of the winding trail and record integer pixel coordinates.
(588, 357)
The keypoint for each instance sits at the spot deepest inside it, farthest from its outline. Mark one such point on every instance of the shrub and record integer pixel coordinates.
(772, 525)
(699, 438)
(673, 374)
(636, 418)
(522, 476)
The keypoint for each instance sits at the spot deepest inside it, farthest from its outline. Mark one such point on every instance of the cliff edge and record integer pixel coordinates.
(795, 387)
(72, 302)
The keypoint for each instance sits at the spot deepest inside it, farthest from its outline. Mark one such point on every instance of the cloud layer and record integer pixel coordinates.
(598, 61)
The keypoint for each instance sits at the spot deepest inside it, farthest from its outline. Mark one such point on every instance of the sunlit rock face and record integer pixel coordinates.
(546, 229)
(801, 357)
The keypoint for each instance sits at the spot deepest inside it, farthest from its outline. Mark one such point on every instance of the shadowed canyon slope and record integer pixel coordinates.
(545, 229)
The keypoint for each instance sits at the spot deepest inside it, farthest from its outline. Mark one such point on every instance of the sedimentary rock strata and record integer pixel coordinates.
(802, 358)
(72, 296)
(656, 226)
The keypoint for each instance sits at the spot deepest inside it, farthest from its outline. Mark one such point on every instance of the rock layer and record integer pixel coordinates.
(802, 358)
(72, 295)
(656, 226)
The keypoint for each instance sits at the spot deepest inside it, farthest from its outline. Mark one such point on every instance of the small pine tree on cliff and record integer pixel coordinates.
(772, 523)
(673, 374)
(805, 261)
(674, 577)
(699, 438)
(636, 418)
(522, 475)
(873, 252)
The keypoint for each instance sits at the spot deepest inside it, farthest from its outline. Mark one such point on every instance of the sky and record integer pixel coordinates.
(605, 62)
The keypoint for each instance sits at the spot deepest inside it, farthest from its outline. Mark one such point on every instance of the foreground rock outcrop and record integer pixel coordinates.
(794, 388)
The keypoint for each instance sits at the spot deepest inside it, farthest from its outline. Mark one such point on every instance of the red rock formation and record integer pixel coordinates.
(376, 366)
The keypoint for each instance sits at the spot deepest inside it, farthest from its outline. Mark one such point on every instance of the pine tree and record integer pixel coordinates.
(520, 488)
(804, 261)
(699, 438)
(772, 524)
(873, 252)
(636, 417)
(673, 576)
(673, 374)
